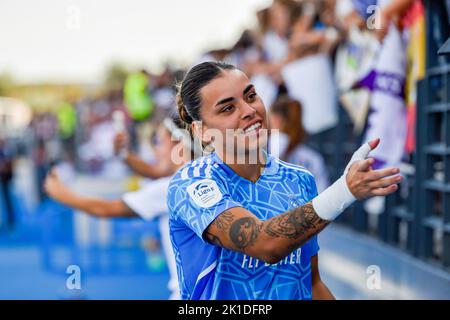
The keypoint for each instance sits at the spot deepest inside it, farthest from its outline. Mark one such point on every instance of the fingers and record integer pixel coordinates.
(362, 152)
(365, 165)
(365, 149)
(382, 173)
(385, 191)
(53, 172)
(119, 135)
(119, 138)
(120, 142)
(364, 182)
(374, 143)
(386, 182)
(47, 183)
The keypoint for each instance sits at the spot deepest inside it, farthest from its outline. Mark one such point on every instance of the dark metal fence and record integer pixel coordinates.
(417, 217)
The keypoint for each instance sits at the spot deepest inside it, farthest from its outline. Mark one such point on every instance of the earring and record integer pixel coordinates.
(209, 148)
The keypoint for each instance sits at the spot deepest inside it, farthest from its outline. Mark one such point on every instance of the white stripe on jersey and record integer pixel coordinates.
(197, 168)
(184, 173)
(208, 168)
(196, 172)
(208, 171)
(206, 271)
(293, 166)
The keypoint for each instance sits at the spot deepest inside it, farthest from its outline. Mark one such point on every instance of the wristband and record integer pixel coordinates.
(337, 197)
(334, 200)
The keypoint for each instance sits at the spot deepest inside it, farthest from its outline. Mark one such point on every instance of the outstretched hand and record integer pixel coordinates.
(364, 182)
(53, 186)
(121, 142)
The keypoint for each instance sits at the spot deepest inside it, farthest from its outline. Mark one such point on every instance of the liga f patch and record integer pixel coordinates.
(205, 193)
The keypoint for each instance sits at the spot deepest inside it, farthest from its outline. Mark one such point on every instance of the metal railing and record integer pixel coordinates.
(417, 217)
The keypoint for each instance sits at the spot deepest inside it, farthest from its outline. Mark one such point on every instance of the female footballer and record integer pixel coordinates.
(244, 227)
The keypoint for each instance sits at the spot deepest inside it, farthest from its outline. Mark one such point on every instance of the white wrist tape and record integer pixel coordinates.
(359, 154)
(336, 198)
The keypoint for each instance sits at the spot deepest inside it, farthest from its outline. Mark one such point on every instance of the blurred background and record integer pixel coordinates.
(332, 74)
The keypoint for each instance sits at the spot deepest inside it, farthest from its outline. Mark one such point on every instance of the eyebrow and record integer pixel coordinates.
(248, 88)
(226, 100)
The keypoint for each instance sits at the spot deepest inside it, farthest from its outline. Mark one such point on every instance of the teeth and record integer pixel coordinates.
(252, 127)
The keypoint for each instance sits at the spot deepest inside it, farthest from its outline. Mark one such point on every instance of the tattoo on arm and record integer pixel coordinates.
(244, 231)
(213, 239)
(295, 223)
(222, 223)
(224, 220)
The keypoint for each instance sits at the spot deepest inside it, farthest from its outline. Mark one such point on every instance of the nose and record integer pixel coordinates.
(248, 112)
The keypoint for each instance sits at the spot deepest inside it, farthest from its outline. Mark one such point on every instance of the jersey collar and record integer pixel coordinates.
(270, 169)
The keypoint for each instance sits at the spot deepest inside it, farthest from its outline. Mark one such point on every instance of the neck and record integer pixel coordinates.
(175, 167)
(242, 167)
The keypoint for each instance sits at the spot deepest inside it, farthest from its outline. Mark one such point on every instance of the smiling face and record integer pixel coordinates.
(233, 114)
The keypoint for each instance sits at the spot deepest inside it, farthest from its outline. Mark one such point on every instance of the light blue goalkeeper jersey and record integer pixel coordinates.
(206, 187)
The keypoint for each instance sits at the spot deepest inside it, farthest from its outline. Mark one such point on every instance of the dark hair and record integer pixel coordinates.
(188, 96)
(177, 120)
(291, 112)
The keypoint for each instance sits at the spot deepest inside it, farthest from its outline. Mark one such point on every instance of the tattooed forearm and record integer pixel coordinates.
(213, 239)
(244, 231)
(224, 220)
(268, 240)
(296, 223)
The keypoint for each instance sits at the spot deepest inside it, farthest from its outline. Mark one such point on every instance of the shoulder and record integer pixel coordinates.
(199, 169)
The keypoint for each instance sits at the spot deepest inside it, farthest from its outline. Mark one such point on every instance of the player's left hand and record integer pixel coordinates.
(53, 186)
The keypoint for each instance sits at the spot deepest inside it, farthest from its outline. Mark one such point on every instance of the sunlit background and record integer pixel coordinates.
(76, 41)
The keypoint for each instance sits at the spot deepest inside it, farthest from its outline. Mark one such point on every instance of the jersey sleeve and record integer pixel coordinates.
(197, 201)
(150, 201)
(311, 187)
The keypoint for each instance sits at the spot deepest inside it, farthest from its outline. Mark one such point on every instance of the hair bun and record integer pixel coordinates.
(182, 110)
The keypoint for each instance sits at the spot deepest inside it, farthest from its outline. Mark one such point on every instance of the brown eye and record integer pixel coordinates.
(252, 96)
(228, 108)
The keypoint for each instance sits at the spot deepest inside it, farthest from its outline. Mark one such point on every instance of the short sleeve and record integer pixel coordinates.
(150, 201)
(312, 187)
(197, 201)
